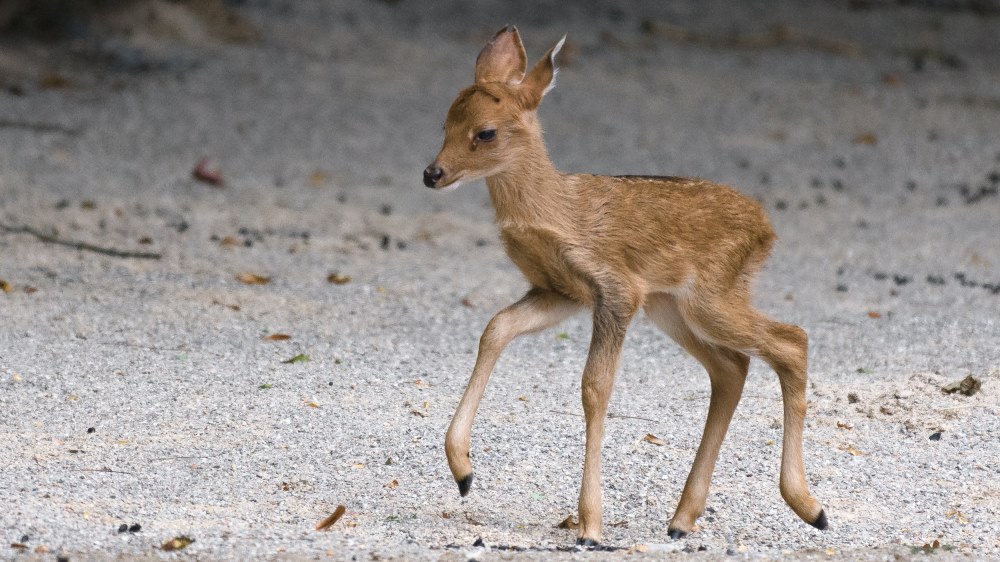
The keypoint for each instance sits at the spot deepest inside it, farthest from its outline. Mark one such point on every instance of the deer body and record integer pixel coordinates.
(683, 250)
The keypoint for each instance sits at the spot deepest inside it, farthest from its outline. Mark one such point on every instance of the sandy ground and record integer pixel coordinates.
(145, 391)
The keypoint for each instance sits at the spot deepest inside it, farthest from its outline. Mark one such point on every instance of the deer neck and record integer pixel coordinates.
(530, 191)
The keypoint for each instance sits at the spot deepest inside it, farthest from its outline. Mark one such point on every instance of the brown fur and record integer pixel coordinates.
(684, 250)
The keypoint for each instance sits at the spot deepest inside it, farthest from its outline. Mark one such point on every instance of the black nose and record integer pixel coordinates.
(432, 175)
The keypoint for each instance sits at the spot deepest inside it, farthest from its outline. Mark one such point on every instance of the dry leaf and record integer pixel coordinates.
(6, 287)
(18, 546)
(866, 137)
(966, 387)
(445, 515)
(845, 425)
(277, 337)
(311, 404)
(54, 82)
(253, 279)
(568, 523)
(338, 279)
(850, 449)
(300, 358)
(873, 314)
(392, 485)
(177, 543)
(650, 438)
(207, 171)
(318, 178)
(359, 465)
(522, 398)
(421, 383)
(333, 518)
(230, 241)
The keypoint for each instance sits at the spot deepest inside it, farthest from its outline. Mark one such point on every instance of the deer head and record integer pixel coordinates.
(492, 123)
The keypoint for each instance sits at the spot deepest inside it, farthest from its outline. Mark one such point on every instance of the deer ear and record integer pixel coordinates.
(542, 77)
(502, 59)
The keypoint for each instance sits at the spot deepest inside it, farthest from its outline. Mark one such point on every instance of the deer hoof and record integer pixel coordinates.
(589, 543)
(465, 484)
(821, 522)
(676, 534)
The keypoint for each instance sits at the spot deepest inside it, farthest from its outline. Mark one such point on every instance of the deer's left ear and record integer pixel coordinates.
(542, 77)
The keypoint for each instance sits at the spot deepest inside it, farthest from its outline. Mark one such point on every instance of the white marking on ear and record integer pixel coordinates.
(555, 70)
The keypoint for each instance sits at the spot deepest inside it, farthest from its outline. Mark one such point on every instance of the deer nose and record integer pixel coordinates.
(432, 175)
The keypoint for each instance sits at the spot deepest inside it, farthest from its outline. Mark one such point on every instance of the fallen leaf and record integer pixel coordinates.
(333, 518)
(318, 178)
(562, 336)
(359, 465)
(568, 523)
(6, 287)
(853, 452)
(966, 387)
(866, 137)
(311, 404)
(338, 279)
(277, 337)
(253, 279)
(650, 438)
(207, 171)
(845, 425)
(416, 412)
(177, 543)
(445, 515)
(522, 398)
(392, 485)
(230, 241)
(18, 546)
(873, 314)
(300, 358)
(54, 82)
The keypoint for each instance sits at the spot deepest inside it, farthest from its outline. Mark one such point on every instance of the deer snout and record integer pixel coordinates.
(432, 175)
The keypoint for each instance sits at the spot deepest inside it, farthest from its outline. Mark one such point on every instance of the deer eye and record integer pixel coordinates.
(486, 135)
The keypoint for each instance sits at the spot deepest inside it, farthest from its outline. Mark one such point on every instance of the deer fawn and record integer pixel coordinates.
(684, 250)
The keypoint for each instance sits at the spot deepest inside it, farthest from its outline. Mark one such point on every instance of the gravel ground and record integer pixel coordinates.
(140, 391)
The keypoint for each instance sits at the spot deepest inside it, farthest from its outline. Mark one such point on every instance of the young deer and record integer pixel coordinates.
(683, 250)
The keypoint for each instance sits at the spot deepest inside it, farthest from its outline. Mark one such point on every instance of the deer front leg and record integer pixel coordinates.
(537, 310)
(610, 324)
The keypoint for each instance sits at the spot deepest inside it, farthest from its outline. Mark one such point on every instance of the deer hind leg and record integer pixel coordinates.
(536, 311)
(732, 322)
(727, 370)
(610, 324)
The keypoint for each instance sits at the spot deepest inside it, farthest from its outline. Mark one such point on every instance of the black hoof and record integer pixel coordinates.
(676, 534)
(589, 543)
(820, 522)
(464, 485)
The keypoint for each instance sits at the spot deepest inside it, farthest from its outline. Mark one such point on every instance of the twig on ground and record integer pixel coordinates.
(38, 127)
(615, 416)
(105, 469)
(777, 36)
(79, 245)
(187, 457)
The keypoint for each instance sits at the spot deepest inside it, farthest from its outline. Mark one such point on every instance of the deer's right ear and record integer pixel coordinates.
(502, 59)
